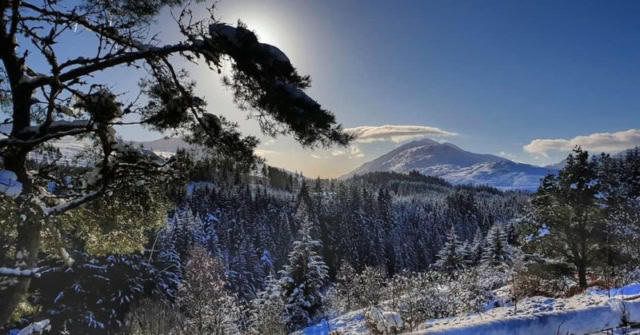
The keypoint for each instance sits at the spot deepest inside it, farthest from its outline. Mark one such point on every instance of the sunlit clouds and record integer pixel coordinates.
(597, 142)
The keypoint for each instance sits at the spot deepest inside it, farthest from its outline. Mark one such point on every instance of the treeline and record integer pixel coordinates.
(359, 221)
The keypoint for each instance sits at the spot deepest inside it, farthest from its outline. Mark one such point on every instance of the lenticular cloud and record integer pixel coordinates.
(394, 133)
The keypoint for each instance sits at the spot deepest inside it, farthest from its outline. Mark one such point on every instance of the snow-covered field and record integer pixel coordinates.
(589, 312)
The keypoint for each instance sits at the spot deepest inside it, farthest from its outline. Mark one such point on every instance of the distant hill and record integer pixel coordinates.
(455, 165)
(165, 145)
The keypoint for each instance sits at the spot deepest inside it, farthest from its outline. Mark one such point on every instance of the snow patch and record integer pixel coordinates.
(585, 313)
(9, 272)
(36, 328)
(9, 184)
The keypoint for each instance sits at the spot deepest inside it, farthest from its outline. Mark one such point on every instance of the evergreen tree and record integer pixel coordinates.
(477, 247)
(385, 210)
(211, 239)
(185, 226)
(302, 280)
(512, 233)
(568, 205)
(450, 256)
(497, 251)
(466, 253)
(619, 179)
(244, 271)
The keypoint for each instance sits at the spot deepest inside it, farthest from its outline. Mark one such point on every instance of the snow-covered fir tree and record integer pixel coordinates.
(303, 278)
(450, 257)
(497, 251)
(466, 253)
(185, 226)
(477, 247)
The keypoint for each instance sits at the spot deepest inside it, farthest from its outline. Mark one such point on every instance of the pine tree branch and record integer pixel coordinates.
(106, 63)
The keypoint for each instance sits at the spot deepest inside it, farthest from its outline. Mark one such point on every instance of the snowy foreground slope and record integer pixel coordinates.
(592, 311)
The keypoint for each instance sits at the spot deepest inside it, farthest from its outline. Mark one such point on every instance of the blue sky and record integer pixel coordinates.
(499, 74)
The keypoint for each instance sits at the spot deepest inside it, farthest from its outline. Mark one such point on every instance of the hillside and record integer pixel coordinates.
(455, 165)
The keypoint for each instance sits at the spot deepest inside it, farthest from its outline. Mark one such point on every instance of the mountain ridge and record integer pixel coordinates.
(456, 165)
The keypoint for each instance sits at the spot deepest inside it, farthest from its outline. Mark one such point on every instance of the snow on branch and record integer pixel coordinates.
(34, 135)
(9, 272)
(36, 328)
(55, 126)
(296, 93)
(71, 204)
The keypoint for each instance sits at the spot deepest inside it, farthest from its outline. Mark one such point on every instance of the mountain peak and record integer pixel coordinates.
(448, 161)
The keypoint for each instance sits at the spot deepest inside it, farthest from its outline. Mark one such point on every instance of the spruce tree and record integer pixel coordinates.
(450, 257)
(302, 280)
(466, 253)
(477, 247)
(497, 251)
(184, 229)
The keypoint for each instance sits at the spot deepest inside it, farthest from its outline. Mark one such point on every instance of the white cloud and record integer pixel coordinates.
(598, 142)
(355, 152)
(338, 152)
(315, 156)
(394, 133)
(263, 152)
(352, 151)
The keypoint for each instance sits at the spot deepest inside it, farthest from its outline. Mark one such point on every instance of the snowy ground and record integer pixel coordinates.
(349, 323)
(589, 312)
(537, 315)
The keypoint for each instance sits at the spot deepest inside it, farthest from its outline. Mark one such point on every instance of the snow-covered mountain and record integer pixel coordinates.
(455, 165)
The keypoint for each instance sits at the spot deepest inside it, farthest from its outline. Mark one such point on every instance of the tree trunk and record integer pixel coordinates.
(13, 289)
(28, 227)
(30, 215)
(29, 218)
(582, 275)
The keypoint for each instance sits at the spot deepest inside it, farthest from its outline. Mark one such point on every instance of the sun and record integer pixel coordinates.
(266, 30)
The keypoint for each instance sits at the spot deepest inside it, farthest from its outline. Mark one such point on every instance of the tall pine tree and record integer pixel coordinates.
(450, 256)
(303, 278)
(497, 251)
